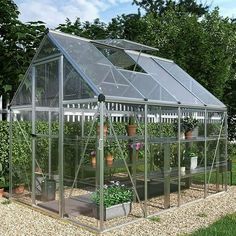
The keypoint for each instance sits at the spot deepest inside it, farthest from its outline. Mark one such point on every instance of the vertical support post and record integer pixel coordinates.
(179, 156)
(50, 145)
(101, 166)
(217, 168)
(226, 152)
(61, 141)
(33, 132)
(76, 155)
(205, 153)
(145, 161)
(167, 175)
(10, 155)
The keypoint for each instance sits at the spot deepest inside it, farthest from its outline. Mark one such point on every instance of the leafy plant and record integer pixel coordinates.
(113, 194)
(109, 148)
(2, 178)
(132, 120)
(188, 123)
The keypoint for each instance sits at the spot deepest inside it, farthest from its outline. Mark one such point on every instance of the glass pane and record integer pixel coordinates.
(21, 156)
(74, 85)
(47, 84)
(47, 49)
(23, 95)
(189, 82)
(119, 58)
(95, 66)
(151, 90)
(165, 80)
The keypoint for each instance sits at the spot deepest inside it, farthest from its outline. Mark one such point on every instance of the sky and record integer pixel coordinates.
(54, 12)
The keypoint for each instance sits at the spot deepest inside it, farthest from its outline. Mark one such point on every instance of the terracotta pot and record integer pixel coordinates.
(105, 130)
(19, 189)
(93, 161)
(109, 160)
(1, 192)
(188, 135)
(131, 129)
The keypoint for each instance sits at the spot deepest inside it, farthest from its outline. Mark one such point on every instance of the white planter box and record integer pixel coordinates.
(193, 163)
(114, 211)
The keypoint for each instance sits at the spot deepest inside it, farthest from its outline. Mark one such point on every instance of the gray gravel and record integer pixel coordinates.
(20, 220)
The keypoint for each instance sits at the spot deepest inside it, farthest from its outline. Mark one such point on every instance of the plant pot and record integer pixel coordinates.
(131, 129)
(109, 160)
(105, 130)
(193, 163)
(93, 161)
(182, 170)
(19, 189)
(188, 135)
(119, 210)
(1, 192)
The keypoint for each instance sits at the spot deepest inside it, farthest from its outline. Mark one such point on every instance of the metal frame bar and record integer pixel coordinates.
(205, 155)
(179, 156)
(61, 141)
(10, 154)
(33, 132)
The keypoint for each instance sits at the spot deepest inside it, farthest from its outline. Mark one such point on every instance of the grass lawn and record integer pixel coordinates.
(226, 226)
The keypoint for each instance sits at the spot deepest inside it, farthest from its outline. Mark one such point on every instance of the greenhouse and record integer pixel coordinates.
(104, 133)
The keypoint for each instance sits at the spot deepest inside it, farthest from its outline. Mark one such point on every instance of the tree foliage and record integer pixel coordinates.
(17, 46)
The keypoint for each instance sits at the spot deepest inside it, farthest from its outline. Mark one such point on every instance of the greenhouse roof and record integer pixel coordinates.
(115, 69)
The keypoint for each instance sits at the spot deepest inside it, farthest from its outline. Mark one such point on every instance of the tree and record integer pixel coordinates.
(94, 30)
(159, 7)
(18, 43)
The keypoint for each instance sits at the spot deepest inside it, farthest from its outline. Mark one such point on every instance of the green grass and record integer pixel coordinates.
(5, 202)
(155, 218)
(226, 226)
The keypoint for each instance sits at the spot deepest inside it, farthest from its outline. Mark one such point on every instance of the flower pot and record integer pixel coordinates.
(119, 210)
(1, 192)
(131, 129)
(193, 163)
(19, 189)
(109, 160)
(182, 170)
(105, 130)
(188, 135)
(93, 161)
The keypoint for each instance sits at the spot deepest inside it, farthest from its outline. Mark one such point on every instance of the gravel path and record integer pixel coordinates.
(16, 219)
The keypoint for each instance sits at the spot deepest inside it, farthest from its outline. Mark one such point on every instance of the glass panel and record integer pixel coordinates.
(192, 159)
(119, 58)
(162, 159)
(151, 90)
(126, 44)
(21, 156)
(47, 84)
(23, 95)
(74, 85)
(95, 66)
(47, 49)
(189, 82)
(165, 80)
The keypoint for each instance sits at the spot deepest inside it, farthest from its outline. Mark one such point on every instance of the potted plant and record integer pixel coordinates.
(109, 151)
(191, 159)
(105, 126)
(182, 130)
(189, 124)
(93, 158)
(136, 146)
(131, 127)
(2, 185)
(117, 200)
